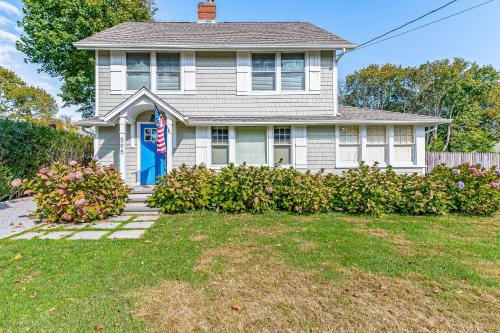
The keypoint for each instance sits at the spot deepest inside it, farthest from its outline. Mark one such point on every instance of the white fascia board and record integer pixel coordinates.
(239, 47)
(313, 122)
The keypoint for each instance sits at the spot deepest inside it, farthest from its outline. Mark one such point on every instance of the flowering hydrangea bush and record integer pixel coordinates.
(73, 193)
(367, 190)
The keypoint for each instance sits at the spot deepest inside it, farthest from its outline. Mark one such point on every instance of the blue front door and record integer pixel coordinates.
(152, 163)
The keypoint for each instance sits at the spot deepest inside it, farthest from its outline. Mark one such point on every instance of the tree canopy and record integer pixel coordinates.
(50, 27)
(456, 89)
(18, 100)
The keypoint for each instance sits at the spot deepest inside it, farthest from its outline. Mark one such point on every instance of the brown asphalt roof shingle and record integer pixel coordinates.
(217, 34)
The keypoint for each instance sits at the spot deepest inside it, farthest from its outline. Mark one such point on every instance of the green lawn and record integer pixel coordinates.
(272, 272)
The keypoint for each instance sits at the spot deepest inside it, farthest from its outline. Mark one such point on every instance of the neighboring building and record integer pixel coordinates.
(233, 93)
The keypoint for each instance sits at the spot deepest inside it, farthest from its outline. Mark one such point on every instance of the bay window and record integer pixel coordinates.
(282, 145)
(349, 146)
(293, 76)
(263, 71)
(404, 144)
(220, 146)
(251, 145)
(375, 144)
(168, 71)
(138, 71)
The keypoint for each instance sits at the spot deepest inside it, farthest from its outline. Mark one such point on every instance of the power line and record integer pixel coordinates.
(423, 26)
(407, 23)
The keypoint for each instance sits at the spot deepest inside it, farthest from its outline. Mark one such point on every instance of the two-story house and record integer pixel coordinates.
(233, 93)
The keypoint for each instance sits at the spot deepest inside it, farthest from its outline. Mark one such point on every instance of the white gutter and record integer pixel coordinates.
(207, 47)
(317, 122)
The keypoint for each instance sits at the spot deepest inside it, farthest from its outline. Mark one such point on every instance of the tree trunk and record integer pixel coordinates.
(448, 136)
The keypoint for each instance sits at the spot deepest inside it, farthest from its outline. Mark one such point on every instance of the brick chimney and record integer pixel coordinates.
(206, 12)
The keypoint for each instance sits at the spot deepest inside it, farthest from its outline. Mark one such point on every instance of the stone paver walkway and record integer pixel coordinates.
(16, 216)
(118, 227)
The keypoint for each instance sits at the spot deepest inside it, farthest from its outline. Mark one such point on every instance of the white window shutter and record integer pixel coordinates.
(202, 143)
(117, 68)
(243, 71)
(315, 72)
(188, 63)
(300, 142)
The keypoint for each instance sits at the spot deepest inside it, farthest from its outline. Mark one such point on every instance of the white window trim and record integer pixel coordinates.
(418, 148)
(290, 145)
(414, 162)
(153, 74)
(340, 164)
(278, 91)
(232, 148)
(218, 166)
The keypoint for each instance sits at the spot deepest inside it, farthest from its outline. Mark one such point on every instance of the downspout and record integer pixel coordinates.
(335, 70)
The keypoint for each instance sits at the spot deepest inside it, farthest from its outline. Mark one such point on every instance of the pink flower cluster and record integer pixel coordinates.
(495, 186)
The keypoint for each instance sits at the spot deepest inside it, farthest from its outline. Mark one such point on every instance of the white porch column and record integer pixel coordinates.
(123, 146)
(133, 132)
(170, 146)
(420, 147)
(390, 142)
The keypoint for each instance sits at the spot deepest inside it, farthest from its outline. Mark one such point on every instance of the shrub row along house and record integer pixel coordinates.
(236, 92)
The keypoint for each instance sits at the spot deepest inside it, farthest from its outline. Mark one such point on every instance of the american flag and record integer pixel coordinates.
(160, 125)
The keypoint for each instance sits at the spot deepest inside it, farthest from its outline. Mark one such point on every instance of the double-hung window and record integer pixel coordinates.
(168, 71)
(375, 144)
(282, 145)
(404, 144)
(349, 147)
(138, 71)
(293, 71)
(263, 71)
(220, 146)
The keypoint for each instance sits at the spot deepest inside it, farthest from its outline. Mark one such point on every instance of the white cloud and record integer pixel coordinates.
(8, 36)
(5, 21)
(9, 8)
(6, 55)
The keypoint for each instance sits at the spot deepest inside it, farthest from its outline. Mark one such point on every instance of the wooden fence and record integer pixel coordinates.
(433, 159)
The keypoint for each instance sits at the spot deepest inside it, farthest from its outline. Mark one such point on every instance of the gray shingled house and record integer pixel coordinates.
(233, 93)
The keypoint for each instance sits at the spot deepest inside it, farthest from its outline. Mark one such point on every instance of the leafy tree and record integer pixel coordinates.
(22, 101)
(52, 26)
(459, 90)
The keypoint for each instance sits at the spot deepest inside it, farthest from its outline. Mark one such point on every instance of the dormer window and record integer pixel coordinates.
(168, 71)
(138, 71)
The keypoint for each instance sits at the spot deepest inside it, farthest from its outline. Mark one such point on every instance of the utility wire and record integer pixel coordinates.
(422, 26)
(407, 23)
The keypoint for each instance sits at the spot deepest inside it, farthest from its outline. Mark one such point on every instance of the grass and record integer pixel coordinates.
(271, 272)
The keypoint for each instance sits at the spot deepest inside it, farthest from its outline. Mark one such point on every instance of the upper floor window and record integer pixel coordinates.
(263, 71)
(293, 75)
(138, 71)
(168, 71)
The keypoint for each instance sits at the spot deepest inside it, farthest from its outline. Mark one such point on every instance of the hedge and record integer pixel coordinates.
(464, 189)
(26, 147)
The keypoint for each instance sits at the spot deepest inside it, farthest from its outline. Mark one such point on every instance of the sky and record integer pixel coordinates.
(474, 35)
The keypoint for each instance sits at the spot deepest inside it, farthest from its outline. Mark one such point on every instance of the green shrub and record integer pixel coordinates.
(5, 179)
(26, 147)
(74, 193)
(183, 189)
(365, 190)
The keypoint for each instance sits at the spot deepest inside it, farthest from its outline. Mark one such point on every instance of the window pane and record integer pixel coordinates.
(168, 81)
(138, 62)
(220, 155)
(263, 81)
(168, 62)
(263, 62)
(349, 154)
(220, 135)
(375, 154)
(293, 81)
(282, 153)
(403, 154)
(282, 135)
(136, 81)
(403, 135)
(349, 134)
(292, 62)
(375, 135)
(251, 145)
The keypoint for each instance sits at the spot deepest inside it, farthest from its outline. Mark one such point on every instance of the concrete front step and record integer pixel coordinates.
(142, 190)
(138, 197)
(131, 209)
